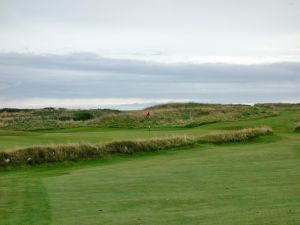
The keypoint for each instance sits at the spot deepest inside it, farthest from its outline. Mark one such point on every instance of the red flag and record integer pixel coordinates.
(148, 114)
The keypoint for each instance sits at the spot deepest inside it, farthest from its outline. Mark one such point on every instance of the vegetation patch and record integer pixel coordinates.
(199, 123)
(236, 135)
(82, 115)
(76, 152)
(167, 115)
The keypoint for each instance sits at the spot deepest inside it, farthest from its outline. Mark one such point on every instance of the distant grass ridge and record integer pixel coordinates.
(186, 115)
(77, 152)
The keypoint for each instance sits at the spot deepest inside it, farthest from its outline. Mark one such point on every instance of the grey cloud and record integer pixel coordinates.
(91, 64)
(85, 75)
(130, 32)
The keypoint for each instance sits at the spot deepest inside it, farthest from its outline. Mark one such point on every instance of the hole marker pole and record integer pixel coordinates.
(149, 126)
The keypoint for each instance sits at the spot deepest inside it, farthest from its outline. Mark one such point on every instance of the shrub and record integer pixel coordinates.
(82, 115)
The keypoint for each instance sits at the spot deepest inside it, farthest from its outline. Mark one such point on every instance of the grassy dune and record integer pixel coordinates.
(167, 115)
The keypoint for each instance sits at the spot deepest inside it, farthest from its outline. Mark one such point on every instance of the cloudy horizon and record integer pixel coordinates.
(130, 54)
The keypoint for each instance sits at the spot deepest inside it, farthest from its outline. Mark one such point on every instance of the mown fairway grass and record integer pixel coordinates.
(255, 183)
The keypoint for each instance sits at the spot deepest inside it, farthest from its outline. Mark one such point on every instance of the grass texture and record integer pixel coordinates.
(245, 182)
(77, 152)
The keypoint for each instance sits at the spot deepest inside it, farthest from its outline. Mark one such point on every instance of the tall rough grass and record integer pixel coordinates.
(77, 152)
(167, 115)
(236, 135)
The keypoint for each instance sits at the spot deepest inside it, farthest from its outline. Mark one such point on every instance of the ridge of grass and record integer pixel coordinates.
(167, 115)
(235, 135)
(77, 152)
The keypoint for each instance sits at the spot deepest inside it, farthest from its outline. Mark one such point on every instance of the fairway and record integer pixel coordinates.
(250, 183)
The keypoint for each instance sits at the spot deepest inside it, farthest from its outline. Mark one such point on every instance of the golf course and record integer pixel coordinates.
(138, 112)
(220, 175)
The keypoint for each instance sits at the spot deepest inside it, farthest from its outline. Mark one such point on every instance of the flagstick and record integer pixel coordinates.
(149, 126)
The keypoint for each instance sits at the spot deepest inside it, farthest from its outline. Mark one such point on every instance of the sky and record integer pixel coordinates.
(128, 54)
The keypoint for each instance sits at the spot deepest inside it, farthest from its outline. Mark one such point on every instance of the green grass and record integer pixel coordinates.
(297, 129)
(40, 154)
(255, 183)
(14, 139)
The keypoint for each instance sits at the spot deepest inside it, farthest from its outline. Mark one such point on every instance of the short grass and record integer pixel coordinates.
(255, 183)
(297, 129)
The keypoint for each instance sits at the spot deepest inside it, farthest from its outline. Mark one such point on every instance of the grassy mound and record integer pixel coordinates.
(236, 135)
(77, 152)
(166, 115)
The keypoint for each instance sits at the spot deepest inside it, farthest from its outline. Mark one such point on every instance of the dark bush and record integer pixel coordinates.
(12, 110)
(82, 115)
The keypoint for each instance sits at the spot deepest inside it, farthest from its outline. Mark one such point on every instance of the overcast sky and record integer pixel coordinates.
(131, 53)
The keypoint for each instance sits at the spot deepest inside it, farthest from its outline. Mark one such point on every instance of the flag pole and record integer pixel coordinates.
(149, 125)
